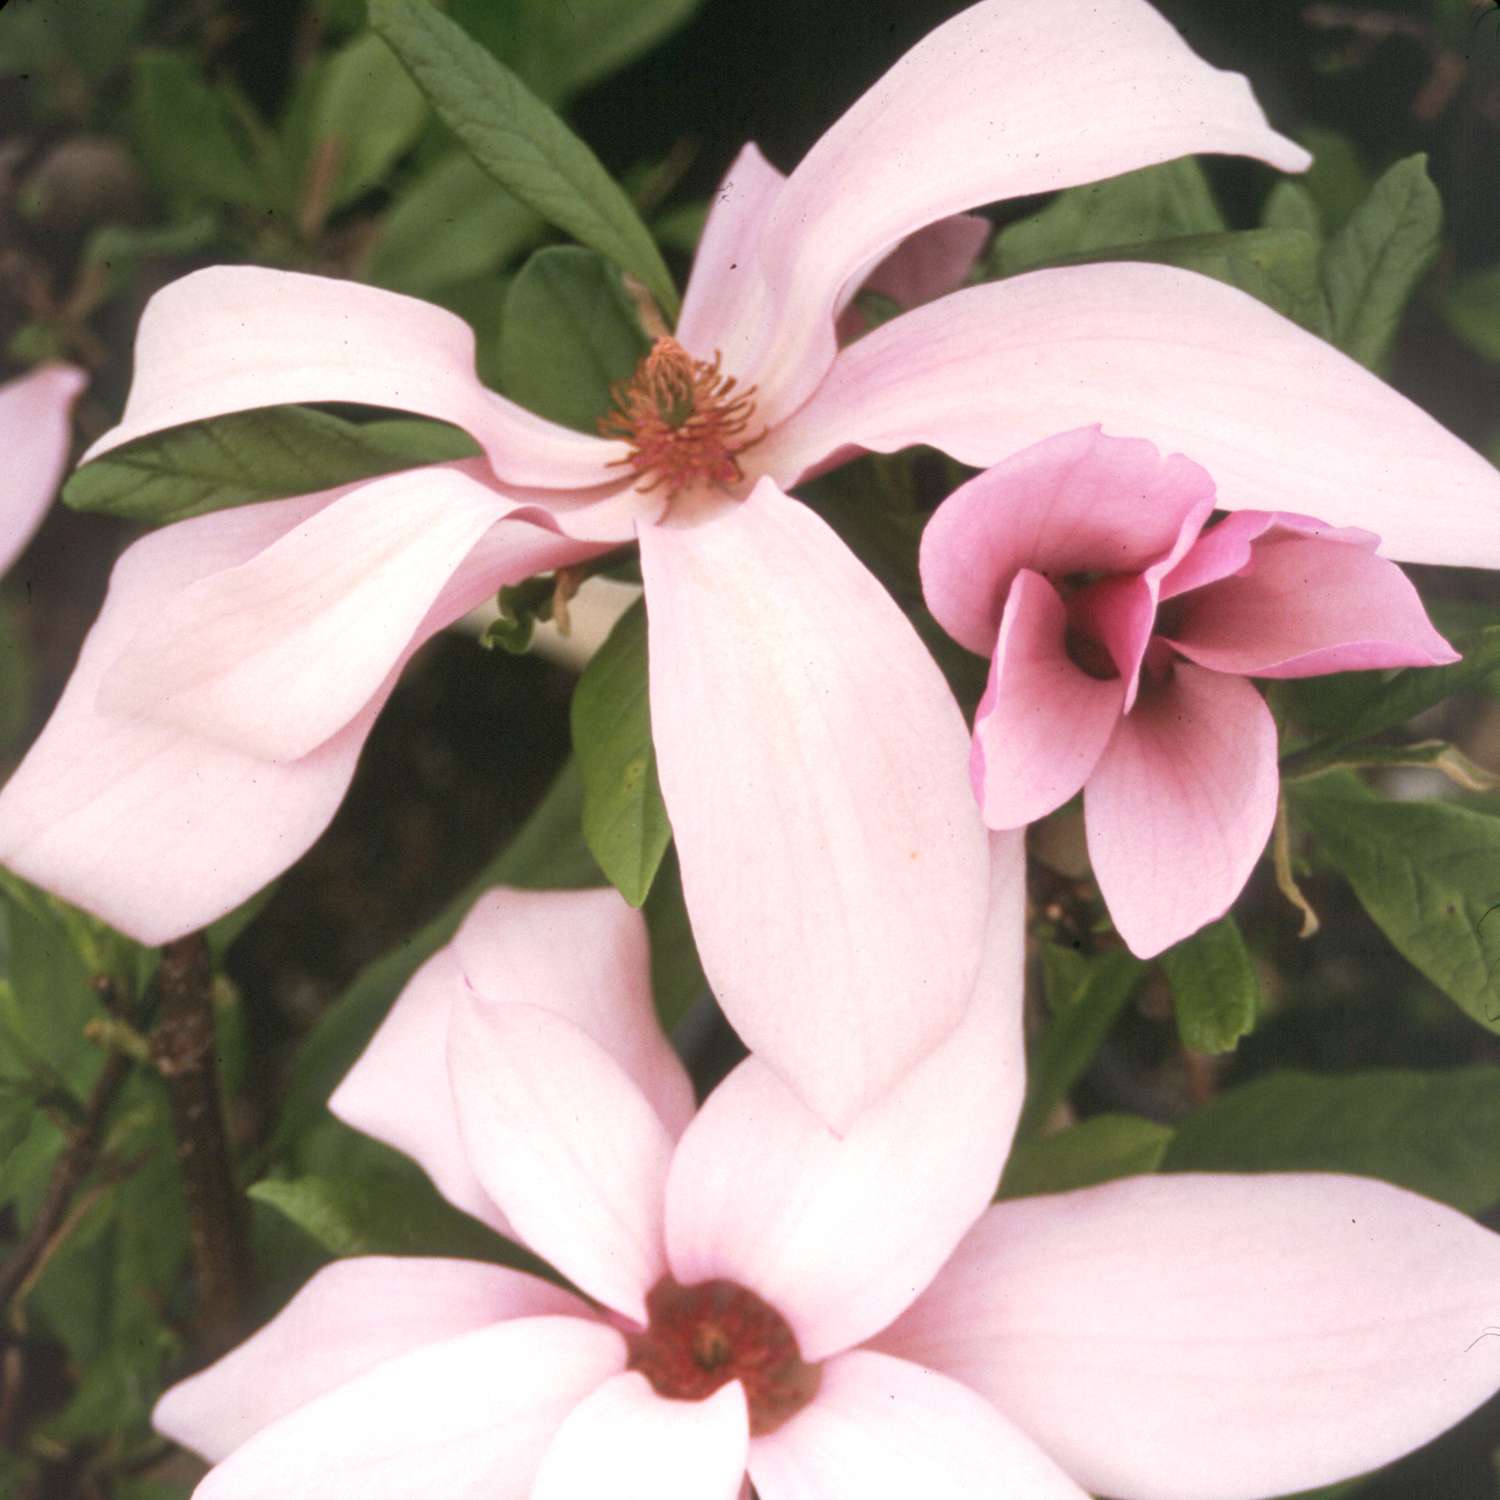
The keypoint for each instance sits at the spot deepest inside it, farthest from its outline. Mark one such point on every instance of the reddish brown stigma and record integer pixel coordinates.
(701, 1337)
(683, 420)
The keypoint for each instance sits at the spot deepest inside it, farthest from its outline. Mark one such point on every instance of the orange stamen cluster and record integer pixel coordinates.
(682, 419)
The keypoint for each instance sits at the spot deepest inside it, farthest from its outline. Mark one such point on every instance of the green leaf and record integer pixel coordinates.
(251, 456)
(1096, 1150)
(519, 141)
(1434, 1133)
(449, 225)
(1429, 876)
(1337, 180)
(1084, 995)
(676, 974)
(15, 674)
(117, 250)
(185, 133)
(1214, 987)
(624, 817)
(567, 334)
(43, 35)
(1372, 265)
(1289, 205)
(1472, 310)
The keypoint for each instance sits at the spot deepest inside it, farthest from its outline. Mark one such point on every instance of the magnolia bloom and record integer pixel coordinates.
(36, 429)
(809, 753)
(830, 1316)
(1121, 633)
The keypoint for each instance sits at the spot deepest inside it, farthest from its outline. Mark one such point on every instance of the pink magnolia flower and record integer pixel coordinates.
(830, 1316)
(1121, 634)
(36, 429)
(808, 751)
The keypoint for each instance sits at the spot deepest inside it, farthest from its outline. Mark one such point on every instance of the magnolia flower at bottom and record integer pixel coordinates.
(829, 1316)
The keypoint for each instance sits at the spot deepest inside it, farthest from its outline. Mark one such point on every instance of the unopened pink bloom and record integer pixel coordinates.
(1121, 633)
(36, 429)
(809, 754)
(832, 1316)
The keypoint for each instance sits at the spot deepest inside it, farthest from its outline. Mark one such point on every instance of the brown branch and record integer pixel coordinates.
(183, 1049)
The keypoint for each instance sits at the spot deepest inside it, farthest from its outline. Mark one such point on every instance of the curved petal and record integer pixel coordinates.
(930, 263)
(1043, 722)
(1077, 502)
(1219, 1338)
(565, 1143)
(627, 1442)
(160, 831)
(582, 955)
(234, 338)
(352, 1316)
(36, 432)
(811, 758)
(1303, 606)
(1195, 366)
(840, 1234)
(1181, 805)
(996, 103)
(468, 1419)
(1226, 547)
(885, 1429)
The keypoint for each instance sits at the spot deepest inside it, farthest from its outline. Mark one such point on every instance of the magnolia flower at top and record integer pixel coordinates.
(804, 738)
(1121, 633)
(36, 428)
(834, 1317)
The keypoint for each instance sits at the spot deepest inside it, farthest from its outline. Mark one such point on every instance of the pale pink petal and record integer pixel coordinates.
(36, 431)
(1077, 502)
(998, 102)
(628, 1443)
(1181, 805)
(352, 1316)
(584, 956)
(1043, 722)
(812, 761)
(159, 831)
(467, 1419)
(565, 1143)
(1303, 606)
(885, 1429)
(1272, 412)
(1219, 1338)
(234, 338)
(840, 1234)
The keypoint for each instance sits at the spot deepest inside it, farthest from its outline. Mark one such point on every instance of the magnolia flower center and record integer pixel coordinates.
(701, 1337)
(683, 420)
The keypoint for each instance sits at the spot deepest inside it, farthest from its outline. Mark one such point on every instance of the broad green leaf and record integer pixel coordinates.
(43, 35)
(567, 334)
(1429, 875)
(676, 974)
(1154, 203)
(624, 817)
(1472, 310)
(1085, 995)
(1289, 205)
(250, 456)
(1096, 1150)
(1373, 263)
(450, 224)
(185, 133)
(519, 141)
(116, 251)
(1426, 755)
(1337, 180)
(1434, 1133)
(1214, 986)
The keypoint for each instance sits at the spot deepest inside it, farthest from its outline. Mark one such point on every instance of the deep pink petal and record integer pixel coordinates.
(1219, 1338)
(627, 1442)
(468, 1419)
(998, 102)
(1225, 547)
(885, 1429)
(1272, 412)
(1181, 805)
(1077, 502)
(1302, 606)
(234, 338)
(811, 757)
(352, 1316)
(159, 831)
(840, 1234)
(1043, 723)
(36, 431)
(563, 1140)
